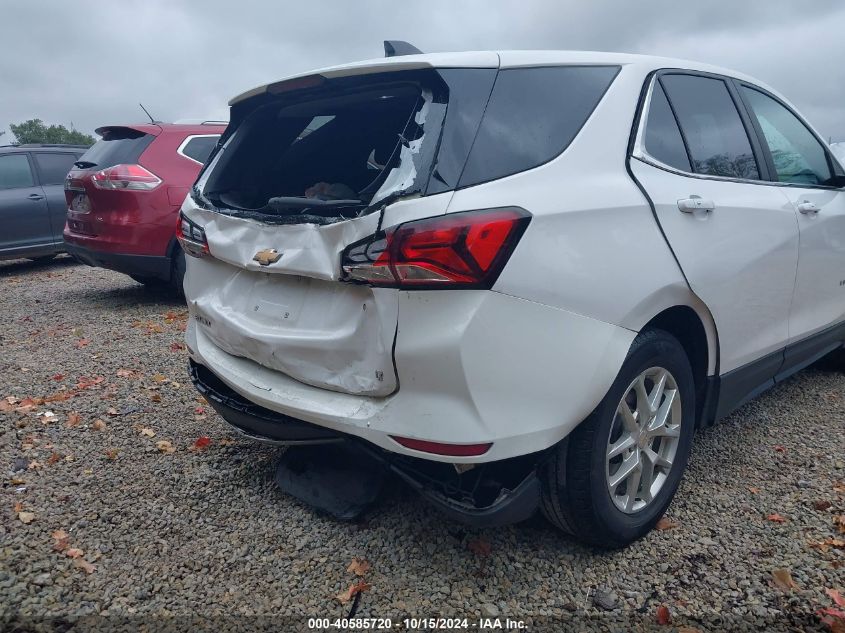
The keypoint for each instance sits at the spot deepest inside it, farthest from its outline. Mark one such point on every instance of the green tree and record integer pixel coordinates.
(35, 131)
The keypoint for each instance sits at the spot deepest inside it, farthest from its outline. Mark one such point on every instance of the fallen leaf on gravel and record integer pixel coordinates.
(826, 544)
(99, 425)
(663, 616)
(358, 566)
(837, 598)
(839, 487)
(84, 565)
(73, 419)
(822, 505)
(839, 522)
(59, 534)
(782, 579)
(164, 446)
(34, 465)
(201, 443)
(666, 524)
(199, 410)
(112, 411)
(54, 457)
(354, 589)
(82, 343)
(155, 397)
(87, 383)
(833, 618)
(112, 453)
(60, 540)
(58, 377)
(779, 449)
(16, 481)
(26, 517)
(147, 432)
(480, 547)
(176, 347)
(753, 490)
(74, 552)
(776, 518)
(227, 441)
(159, 378)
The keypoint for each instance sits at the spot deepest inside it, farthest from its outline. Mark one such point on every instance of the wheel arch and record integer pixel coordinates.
(697, 334)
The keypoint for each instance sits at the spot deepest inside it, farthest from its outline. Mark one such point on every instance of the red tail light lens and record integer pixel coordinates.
(123, 177)
(466, 250)
(191, 237)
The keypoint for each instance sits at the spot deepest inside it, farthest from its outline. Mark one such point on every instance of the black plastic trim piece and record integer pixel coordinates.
(154, 266)
(251, 419)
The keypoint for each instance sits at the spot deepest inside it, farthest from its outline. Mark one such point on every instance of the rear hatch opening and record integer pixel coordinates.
(328, 154)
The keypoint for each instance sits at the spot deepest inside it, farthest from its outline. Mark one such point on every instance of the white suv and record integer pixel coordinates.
(520, 279)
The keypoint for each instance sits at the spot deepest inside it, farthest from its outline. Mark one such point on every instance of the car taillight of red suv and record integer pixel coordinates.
(124, 194)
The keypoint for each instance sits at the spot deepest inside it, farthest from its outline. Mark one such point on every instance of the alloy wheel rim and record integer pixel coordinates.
(643, 440)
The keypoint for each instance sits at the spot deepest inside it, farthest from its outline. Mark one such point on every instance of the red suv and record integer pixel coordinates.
(124, 194)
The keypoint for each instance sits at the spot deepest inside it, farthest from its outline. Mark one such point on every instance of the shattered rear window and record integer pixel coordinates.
(348, 147)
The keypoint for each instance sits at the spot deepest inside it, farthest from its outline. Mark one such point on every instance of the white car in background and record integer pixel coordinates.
(521, 279)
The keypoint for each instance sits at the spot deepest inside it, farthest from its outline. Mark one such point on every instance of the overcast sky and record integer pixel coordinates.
(89, 63)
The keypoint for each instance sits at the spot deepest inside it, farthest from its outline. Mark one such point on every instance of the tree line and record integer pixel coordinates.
(36, 131)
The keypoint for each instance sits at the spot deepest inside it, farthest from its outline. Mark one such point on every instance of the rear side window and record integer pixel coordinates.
(799, 158)
(15, 172)
(716, 138)
(198, 148)
(533, 115)
(119, 146)
(663, 139)
(53, 168)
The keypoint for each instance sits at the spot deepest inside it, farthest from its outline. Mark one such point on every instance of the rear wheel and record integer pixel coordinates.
(615, 475)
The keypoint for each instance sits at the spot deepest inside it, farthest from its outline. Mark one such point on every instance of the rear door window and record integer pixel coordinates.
(532, 116)
(798, 156)
(715, 136)
(15, 172)
(663, 139)
(119, 146)
(198, 147)
(53, 167)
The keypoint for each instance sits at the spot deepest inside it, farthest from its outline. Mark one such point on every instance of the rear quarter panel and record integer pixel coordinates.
(593, 246)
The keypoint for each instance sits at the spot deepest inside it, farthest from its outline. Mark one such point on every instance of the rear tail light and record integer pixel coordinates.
(131, 177)
(459, 250)
(439, 448)
(191, 236)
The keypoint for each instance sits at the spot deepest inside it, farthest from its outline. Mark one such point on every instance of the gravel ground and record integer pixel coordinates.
(203, 531)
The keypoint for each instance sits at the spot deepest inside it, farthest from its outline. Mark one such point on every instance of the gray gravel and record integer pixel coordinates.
(204, 532)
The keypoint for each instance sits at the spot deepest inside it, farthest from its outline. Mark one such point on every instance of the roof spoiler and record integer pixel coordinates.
(397, 48)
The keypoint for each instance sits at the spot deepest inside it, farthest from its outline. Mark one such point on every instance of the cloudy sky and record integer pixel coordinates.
(90, 62)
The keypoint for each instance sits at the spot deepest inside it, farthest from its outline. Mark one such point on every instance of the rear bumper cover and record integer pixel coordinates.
(140, 265)
(511, 506)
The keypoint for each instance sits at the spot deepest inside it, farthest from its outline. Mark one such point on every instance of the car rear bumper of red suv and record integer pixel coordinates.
(147, 266)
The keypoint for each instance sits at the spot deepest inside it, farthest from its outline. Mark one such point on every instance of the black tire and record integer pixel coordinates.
(177, 271)
(575, 492)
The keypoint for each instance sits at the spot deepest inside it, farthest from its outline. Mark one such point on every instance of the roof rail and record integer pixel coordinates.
(397, 48)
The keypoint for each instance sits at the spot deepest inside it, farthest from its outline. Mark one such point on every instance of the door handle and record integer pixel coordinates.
(695, 203)
(35, 196)
(808, 208)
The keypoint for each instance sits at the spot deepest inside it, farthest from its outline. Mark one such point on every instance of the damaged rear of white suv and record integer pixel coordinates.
(445, 260)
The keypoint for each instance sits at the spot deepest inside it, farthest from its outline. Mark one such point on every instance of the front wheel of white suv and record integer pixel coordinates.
(611, 480)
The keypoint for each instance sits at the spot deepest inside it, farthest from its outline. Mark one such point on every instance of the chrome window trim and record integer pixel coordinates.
(639, 152)
(188, 139)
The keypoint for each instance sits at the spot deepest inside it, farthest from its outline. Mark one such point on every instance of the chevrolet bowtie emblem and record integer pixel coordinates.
(267, 256)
